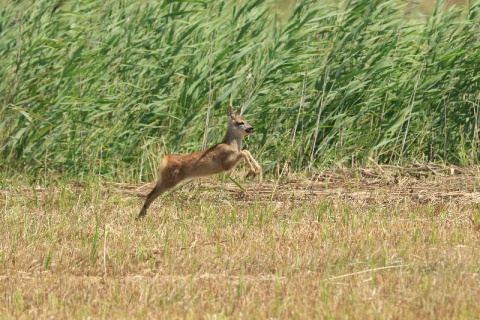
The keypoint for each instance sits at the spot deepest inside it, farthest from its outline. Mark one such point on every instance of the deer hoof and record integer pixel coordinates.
(251, 174)
(142, 213)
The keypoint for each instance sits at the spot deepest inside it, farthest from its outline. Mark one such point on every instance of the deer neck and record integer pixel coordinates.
(233, 140)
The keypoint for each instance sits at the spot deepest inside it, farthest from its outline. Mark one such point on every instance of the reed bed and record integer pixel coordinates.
(106, 88)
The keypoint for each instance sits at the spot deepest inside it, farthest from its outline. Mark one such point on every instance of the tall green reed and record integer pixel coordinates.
(108, 87)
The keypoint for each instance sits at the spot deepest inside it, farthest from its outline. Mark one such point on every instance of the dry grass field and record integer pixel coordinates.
(385, 242)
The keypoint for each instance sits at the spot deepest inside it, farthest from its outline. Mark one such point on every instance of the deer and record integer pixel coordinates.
(220, 158)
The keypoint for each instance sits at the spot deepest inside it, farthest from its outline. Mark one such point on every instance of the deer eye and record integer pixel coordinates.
(239, 122)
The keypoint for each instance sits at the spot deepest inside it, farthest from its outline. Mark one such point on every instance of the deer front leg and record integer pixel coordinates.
(254, 166)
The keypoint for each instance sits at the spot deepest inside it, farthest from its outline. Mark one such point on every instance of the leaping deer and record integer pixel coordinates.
(219, 158)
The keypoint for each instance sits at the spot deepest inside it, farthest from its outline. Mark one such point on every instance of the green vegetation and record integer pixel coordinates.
(108, 87)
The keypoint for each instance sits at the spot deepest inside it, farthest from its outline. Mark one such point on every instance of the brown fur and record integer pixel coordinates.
(219, 158)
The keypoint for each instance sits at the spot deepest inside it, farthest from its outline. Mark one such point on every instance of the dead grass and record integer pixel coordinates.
(369, 243)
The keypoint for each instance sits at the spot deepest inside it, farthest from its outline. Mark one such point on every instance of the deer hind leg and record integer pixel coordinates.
(253, 164)
(157, 191)
(168, 178)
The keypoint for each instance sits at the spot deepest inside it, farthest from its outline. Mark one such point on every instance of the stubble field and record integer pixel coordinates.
(384, 242)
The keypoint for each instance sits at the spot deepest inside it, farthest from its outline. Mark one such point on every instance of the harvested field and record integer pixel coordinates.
(384, 242)
(379, 185)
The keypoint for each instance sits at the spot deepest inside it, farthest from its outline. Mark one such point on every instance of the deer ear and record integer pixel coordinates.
(239, 111)
(230, 113)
